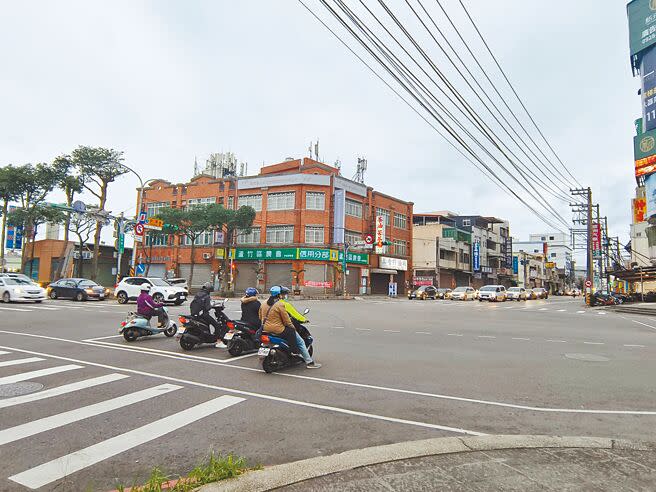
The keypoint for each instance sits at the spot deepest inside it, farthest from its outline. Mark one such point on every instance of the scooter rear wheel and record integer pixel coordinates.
(269, 364)
(236, 348)
(186, 344)
(171, 330)
(130, 335)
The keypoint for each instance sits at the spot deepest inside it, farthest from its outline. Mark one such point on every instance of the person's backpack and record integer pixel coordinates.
(196, 305)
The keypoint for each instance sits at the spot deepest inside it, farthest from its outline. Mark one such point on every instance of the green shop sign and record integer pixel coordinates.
(307, 254)
(642, 24)
(355, 258)
(256, 254)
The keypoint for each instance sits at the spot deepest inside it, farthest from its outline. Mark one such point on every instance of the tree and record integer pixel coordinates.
(82, 225)
(98, 167)
(151, 237)
(31, 218)
(234, 221)
(8, 193)
(71, 184)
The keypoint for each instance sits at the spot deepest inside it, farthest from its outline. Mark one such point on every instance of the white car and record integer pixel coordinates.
(463, 294)
(491, 293)
(16, 289)
(517, 294)
(178, 282)
(129, 288)
(20, 276)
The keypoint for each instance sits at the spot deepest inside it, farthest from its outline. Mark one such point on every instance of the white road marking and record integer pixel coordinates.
(2, 352)
(485, 336)
(363, 329)
(557, 341)
(102, 338)
(44, 308)
(422, 333)
(518, 338)
(239, 357)
(454, 335)
(594, 343)
(61, 390)
(601, 312)
(338, 327)
(644, 324)
(543, 309)
(158, 351)
(640, 346)
(391, 331)
(45, 424)
(562, 310)
(15, 309)
(24, 376)
(311, 378)
(61, 467)
(508, 307)
(580, 312)
(17, 362)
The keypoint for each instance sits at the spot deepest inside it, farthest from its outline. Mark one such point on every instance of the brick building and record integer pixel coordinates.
(304, 210)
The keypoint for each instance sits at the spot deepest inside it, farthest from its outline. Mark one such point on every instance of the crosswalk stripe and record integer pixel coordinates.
(16, 362)
(45, 308)
(61, 390)
(48, 423)
(61, 467)
(24, 376)
(15, 309)
(3, 352)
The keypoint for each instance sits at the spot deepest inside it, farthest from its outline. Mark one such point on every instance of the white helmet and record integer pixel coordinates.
(145, 287)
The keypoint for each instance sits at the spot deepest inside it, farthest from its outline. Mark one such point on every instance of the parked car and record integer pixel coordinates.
(443, 293)
(496, 293)
(463, 294)
(16, 289)
(517, 294)
(79, 289)
(20, 276)
(179, 282)
(531, 295)
(424, 292)
(541, 293)
(129, 288)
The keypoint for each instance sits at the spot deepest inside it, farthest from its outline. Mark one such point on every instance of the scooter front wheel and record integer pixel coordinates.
(130, 335)
(171, 330)
(269, 364)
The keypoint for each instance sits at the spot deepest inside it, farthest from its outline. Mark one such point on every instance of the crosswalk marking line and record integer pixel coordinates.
(61, 390)
(58, 420)
(15, 309)
(24, 376)
(61, 467)
(3, 352)
(16, 362)
(44, 308)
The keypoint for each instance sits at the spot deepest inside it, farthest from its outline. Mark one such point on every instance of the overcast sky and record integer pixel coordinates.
(165, 81)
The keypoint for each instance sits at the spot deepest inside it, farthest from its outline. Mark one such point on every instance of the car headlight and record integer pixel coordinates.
(88, 291)
(17, 290)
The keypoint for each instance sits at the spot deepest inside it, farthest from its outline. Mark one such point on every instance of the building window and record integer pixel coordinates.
(466, 222)
(551, 238)
(553, 255)
(254, 201)
(154, 208)
(184, 190)
(400, 221)
(543, 238)
(351, 237)
(400, 248)
(281, 201)
(203, 239)
(231, 202)
(252, 237)
(384, 213)
(464, 257)
(195, 202)
(175, 190)
(353, 208)
(314, 234)
(315, 201)
(157, 240)
(280, 234)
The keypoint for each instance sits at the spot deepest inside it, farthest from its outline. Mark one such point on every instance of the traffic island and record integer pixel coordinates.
(454, 463)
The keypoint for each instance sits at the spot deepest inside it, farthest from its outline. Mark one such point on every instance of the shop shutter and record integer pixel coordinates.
(246, 277)
(202, 274)
(278, 274)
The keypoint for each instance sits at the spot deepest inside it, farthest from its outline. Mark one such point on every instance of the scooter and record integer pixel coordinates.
(276, 353)
(136, 326)
(194, 332)
(241, 339)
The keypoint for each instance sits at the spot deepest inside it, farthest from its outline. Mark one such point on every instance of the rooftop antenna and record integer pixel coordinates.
(310, 150)
(338, 166)
(359, 173)
(195, 166)
(316, 150)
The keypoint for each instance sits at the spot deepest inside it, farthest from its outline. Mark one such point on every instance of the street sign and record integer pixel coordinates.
(588, 284)
(152, 227)
(155, 223)
(121, 243)
(141, 269)
(142, 217)
(368, 239)
(138, 239)
(139, 229)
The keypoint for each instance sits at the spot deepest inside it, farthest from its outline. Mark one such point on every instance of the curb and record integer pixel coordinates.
(290, 473)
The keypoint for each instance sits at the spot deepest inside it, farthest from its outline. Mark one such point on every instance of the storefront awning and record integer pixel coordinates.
(384, 271)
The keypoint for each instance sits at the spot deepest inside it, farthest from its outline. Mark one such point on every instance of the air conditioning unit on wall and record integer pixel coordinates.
(207, 256)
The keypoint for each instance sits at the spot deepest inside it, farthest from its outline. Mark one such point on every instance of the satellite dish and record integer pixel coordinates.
(79, 206)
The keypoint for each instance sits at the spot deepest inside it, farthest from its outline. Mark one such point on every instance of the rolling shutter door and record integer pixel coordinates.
(246, 277)
(278, 274)
(156, 270)
(353, 281)
(202, 274)
(316, 273)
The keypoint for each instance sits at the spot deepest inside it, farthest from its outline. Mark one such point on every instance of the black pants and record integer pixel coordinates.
(289, 334)
(160, 315)
(213, 323)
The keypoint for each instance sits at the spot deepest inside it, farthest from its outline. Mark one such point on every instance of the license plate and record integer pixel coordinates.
(120, 330)
(264, 351)
(183, 296)
(229, 335)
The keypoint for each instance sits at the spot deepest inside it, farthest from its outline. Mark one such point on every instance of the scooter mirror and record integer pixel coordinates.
(307, 310)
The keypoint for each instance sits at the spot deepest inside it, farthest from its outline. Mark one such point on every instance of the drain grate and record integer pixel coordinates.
(18, 389)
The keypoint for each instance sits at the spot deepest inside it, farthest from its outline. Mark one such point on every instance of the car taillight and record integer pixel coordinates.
(115, 286)
(265, 339)
(182, 320)
(230, 325)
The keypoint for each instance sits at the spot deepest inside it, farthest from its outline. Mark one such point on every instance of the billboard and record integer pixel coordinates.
(339, 205)
(476, 255)
(380, 233)
(596, 240)
(14, 238)
(642, 25)
(639, 209)
(648, 76)
(650, 196)
(644, 152)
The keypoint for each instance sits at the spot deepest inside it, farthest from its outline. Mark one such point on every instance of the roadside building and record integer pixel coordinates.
(557, 250)
(532, 270)
(441, 253)
(304, 212)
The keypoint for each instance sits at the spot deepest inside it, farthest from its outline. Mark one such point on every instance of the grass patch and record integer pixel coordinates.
(212, 469)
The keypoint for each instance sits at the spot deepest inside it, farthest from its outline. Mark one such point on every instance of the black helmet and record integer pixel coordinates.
(208, 286)
(284, 290)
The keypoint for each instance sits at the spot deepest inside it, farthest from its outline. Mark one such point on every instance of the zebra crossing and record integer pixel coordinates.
(41, 471)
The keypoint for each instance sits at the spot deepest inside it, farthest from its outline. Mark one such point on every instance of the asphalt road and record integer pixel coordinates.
(393, 370)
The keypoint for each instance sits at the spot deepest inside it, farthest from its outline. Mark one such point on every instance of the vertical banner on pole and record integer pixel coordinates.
(380, 233)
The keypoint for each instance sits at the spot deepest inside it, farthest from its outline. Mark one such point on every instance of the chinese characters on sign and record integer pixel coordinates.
(476, 255)
(308, 254)
(380, 233)
(596, 240)
(312, 283)
(639, 210)
(642, 25)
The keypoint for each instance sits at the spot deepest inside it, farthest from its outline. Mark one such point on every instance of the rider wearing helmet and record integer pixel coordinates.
(147, 307)
(250, 308)
(201, 307)
(275, 320)
(297, 318)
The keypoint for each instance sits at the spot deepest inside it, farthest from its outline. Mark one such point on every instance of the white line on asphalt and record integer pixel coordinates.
(61, 390)
(239, 357)
(17, 362)
(392, 331)
(543, 309)
(557, 341)
(518, 338)
(580, 312)
(45, 424)
(44, 308)
(2, 352)
(338, 327)
(508, 307)
(15, 309)
(102, 338)
(600, 312)
(594, 343)
(454, 335)
(61, 467)
(363, 329)
(422, 333)
(263, 396)
(310, 378)
(562, 310)
(24, 376)
(640, 346)
(158, 351)
(485, 336)
(644, 324)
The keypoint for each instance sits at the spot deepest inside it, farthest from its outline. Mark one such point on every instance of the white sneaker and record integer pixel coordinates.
(220, 345)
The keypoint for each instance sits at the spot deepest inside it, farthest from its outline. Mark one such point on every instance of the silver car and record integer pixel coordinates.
(517, 294)
(463, 294)
(16, 289)
(496, 293)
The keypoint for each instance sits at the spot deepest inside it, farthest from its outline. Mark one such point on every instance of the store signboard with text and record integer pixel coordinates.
(306, 254)
(642, 25)
(380, 233)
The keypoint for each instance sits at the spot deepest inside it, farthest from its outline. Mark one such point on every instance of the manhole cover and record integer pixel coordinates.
(18, 389)
(588, 357)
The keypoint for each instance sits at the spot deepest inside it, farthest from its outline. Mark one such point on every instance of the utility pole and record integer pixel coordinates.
(344, 265)
(120, 244)
(585, 217)
(437, 261)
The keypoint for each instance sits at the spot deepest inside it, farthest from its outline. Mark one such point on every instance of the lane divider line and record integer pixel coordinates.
(16, 362)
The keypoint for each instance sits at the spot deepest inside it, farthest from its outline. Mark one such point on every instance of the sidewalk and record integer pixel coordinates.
(485, 463)
(644, 308)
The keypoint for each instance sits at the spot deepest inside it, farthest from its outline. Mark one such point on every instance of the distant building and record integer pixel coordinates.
(556, 248)
(221, 165)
